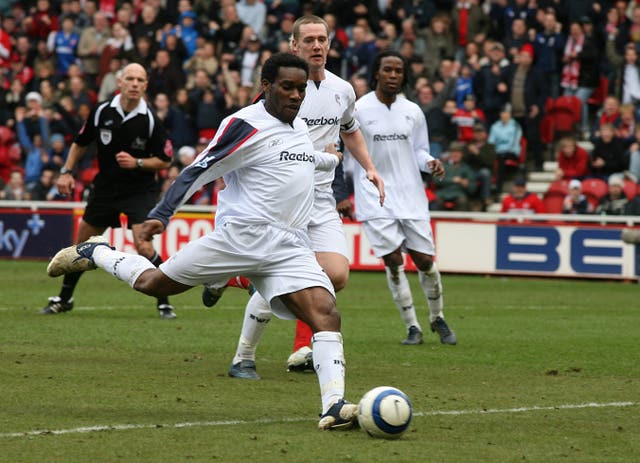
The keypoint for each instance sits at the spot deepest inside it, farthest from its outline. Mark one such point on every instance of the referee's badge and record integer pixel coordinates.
(105, 136)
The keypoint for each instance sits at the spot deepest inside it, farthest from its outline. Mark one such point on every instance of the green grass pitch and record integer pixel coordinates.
(545, 371)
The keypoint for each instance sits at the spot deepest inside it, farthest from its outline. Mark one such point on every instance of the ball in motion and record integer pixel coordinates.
(385, 412)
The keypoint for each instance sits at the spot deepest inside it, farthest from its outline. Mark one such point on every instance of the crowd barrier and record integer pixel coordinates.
(481, 243)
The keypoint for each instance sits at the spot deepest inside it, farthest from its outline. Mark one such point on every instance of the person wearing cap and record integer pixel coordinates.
(581, 71)
(481, 155)
(520, 201)
(130, 149)
(615, 201)
(526, 88)
(548, 47)
(575, 202)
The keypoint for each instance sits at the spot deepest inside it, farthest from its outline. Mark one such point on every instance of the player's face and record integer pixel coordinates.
(133, 82)
(312, 45)
(390, 75)
(285, 95)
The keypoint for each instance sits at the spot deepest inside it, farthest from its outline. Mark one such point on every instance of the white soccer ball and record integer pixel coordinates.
(385, 412)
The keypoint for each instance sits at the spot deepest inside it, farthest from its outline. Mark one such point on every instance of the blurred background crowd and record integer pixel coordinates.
(508, 87)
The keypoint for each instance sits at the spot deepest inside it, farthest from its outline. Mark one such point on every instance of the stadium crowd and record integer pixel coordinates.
(505, 84)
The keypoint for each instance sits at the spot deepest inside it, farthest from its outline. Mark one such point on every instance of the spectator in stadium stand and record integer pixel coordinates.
(15, 189)
(549, 48)
(581, 72)
(608, 114)
(527, 90)
(488, 82)
(575, 202)
(40, 21)
(470, 23)
(627, 123)
(518, 37)
(166, 77)
(228, 34)
(615, 201)
(505, 134)
(439, 42)
(481, 155)
(520, 201)
(466, 117)
(179, 125)
(143, 52)
(131, 150)
(39, 191)
(18, 70)
(5, 44)
(119, 42)
(573, 160)
(203, 59)
(458, 183)
(253, 13)
(608, 154)
(63, 44)
(57, 152)
(634, 156)
(147, 24)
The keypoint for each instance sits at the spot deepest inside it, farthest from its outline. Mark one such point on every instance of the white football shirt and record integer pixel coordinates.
(398, 143)
(328, 108)
(268, 167)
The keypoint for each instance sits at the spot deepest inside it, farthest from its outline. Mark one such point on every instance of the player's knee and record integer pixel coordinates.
(424, 263)
(339, 279)
(148, 283)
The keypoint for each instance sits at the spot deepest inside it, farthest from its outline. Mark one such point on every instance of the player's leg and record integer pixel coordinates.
(336, 266)
(146, 249)
(133, 269)
(316, 307)
(421, 249)
(385, 237)
(257, 315)
(212, 292)
(136, 207)
(63, 302)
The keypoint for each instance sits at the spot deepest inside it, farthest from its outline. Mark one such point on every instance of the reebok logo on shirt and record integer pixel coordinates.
(321, 121)
(287, 156)
(391, 137)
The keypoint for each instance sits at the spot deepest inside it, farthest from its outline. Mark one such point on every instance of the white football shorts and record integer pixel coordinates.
(325, 229)
(276, 260)
(387, 235)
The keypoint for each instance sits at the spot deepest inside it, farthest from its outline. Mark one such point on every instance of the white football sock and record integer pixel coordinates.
(328, 359)
(123, 266)
(431, 283)
(256, 316)
(401, 294)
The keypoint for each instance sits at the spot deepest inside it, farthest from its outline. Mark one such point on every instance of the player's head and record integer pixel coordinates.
(133, 82)
(389, 73)
(284, 82)
(310, 40)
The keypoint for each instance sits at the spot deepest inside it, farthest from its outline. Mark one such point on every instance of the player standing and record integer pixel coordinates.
(328, 111)
(396, 133)
(267, 160)
(132, 146)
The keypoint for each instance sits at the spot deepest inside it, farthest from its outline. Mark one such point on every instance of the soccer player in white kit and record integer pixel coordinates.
(328, 110)
(268, 161)
(396, 133)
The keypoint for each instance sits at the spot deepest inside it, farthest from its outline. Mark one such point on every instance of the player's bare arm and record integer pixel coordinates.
(354, 141)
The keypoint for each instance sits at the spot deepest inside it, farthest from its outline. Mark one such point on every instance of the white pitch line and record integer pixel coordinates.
(125, 427)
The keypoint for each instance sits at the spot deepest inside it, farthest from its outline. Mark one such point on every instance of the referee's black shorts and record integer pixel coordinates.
(103, 210)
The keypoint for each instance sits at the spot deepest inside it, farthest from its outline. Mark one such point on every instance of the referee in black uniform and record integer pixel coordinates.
(132, 146)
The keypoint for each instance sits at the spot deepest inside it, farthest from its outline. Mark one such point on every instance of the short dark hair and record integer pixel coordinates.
(282, 60)
(373, 83)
